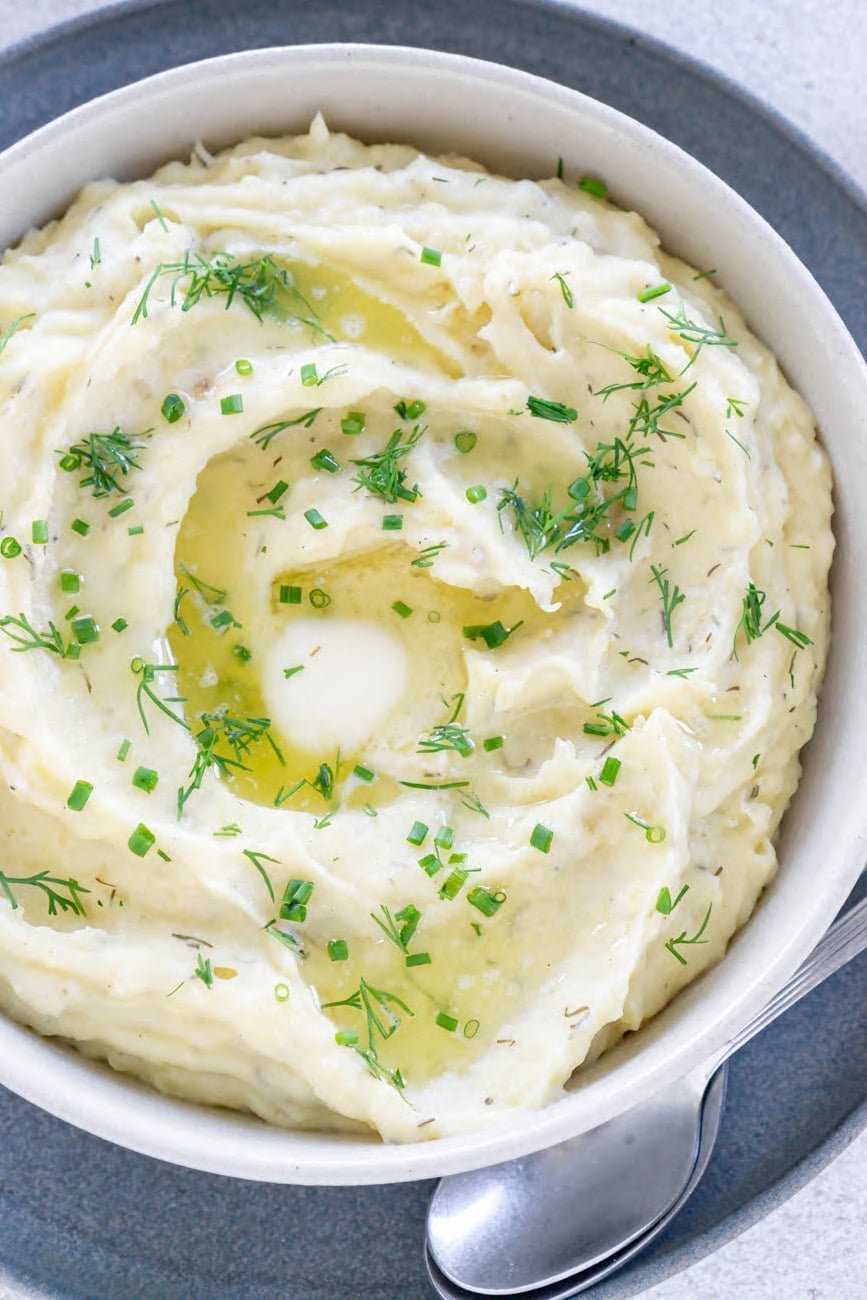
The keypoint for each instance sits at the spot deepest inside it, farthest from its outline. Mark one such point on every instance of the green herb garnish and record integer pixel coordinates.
(682, 941)
(50, 886)
(108, 457)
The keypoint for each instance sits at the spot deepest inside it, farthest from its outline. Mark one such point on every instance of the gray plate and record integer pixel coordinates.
(83, 1218)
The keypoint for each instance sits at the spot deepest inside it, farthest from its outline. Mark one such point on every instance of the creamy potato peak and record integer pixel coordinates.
(413, 598)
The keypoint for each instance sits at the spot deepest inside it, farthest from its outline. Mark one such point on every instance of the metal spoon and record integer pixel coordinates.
(578, 1211)
(714, 1102)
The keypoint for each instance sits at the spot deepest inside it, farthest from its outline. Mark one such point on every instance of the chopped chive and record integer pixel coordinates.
(647, 295)
(281, 992)
(338, 950)
(486, 902)
(119, 625)
(591, 784)
(431, 256)
(492, 743)
(10, 548)
(126, 746)
(39, 532)
(290, 595)
(471, 1028)
(401, 609)
(243, 366)
(71, 613)
(447, 1022)
(291, 672)
(346, 1038)
(280, 488)
(141, 841)
(173, 408)
(232, 405)
(558, 412)
(325, 461)
(430, 864)
(591, 185)
(541, 838)
(465, 441)
(296, 896)
(445, 837)
(145, 778)
(136, 530)
(363, 773)
(418, 959)
(653, 834)
(70, 582)
(392, 523)
(493, 634)
(610, 768)
(417, 834)
(353, 423)
(121, 507)
(319, 599)
(476, 493)
(81, 792)
(315, 519)
(222, 621)
(80, 527)
(309, 377)
(454, 883)
(85, 630)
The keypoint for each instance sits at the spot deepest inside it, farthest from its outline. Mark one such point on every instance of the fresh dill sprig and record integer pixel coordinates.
(50, 886)
(382, 1020)
(751, 622)
(257, 859)
(448, 736)
(536, 522)
(700, 336)
(21, 631)
(11, 329)
(264, 435)
(473, 803)
(670, 595)
(108, 457)
(210, 594)
(682, 941)
(145, 691)
(262, 285)
(381, 473)
(224, 729)
(646, 417)
(651, 371)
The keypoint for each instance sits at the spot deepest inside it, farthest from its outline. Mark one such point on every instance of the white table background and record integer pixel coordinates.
(808, 59)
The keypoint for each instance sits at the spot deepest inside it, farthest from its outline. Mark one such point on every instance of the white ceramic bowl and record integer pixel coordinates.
(520, 125)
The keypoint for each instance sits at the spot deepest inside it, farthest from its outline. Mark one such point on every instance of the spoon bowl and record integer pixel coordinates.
(556, 1222)
(622, 1176)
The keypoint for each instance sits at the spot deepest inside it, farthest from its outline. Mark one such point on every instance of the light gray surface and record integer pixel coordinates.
(807, 60)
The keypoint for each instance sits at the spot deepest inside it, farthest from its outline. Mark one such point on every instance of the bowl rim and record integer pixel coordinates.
(125, 1111)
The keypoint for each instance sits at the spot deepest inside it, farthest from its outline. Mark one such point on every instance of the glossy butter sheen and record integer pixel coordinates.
(576, 954)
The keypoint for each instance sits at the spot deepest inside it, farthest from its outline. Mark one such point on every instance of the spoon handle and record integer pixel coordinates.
(843, 941)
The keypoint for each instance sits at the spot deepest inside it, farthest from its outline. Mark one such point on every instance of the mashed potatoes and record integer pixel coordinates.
(413, 599)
